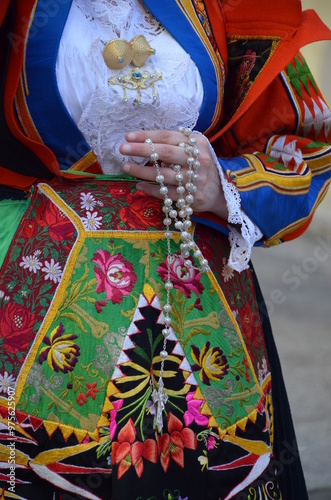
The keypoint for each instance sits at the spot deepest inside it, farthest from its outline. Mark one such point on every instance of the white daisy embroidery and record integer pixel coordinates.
(53, 271)
(88, 201)
(32, 263)
(92, 221)
(227, 271)
(6, 381)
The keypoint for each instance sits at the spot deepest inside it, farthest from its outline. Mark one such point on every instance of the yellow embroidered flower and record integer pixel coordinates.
(61, 352)
(211, 362)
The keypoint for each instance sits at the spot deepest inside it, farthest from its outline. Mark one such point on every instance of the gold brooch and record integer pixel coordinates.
(118, 53)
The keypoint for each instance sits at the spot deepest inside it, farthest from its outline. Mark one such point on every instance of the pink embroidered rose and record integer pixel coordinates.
(114, 275)
(185, 279)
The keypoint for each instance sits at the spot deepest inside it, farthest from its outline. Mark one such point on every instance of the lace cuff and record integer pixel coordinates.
(241, 243)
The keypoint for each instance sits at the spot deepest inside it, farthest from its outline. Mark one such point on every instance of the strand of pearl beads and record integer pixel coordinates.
(184, 213)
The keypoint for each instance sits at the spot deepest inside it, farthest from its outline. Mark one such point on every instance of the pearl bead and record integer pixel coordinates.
(168, 202)
(167, 308)
(167, 221)
(185, 236)
(164, 190)
(196, 165)
(187, 263)
(165, 332)
(180, 203)
(167, 321)
(154, 157)
(197, 254)
(179, 177)
(181, 214)
(159, 178)
(176, 168)
(163, 354)
(173, 214)
(168, 235)
(168, 285)
(190, 161)
(188, 211)
(189, 199)
(192, 140)
(179, 225)
(180, 190)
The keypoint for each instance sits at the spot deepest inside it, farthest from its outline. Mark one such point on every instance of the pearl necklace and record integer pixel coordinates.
(182, 222)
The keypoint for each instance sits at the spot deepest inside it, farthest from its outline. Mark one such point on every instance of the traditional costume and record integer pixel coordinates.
(84, 254)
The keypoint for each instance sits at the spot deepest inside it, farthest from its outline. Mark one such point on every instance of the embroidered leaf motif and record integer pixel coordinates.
(76, 319)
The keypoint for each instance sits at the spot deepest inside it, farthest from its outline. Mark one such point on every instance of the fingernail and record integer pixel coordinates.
(126, 168)
(126, 148)
(131, 136)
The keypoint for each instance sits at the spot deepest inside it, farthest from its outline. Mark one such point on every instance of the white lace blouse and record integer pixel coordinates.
(99, 109)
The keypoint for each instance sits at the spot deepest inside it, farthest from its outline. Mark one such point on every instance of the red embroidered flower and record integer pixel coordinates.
(127, 452)
(59, 226)
(185, 279)
(92, 390)
(119, 190)
(248, 324)
(143, 211)
(30, 228)
(16, 324)
(173, 444)
(81, 399)
(114, 275)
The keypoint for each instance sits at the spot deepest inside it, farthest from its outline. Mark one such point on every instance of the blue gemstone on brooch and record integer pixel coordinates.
(136, 75)
(120, 60)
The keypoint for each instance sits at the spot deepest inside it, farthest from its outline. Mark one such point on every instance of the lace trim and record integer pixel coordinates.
(242, 242)
(98, 108)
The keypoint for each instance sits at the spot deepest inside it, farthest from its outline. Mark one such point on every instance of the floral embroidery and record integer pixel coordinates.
(115, 276)
(53, 271)
(142, 211)
(32, 263)
(117, 405)
(61, 352)
(173, 444)
(92, 222)
(16, 328)
(185, 279)
(88, 201)
(227, 271)
(92, 390)
(6, 381)
(58, 225)
(126, 452)
(211, 362)
(193, 412)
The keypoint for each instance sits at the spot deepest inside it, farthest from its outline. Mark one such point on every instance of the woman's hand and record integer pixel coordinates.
(209, 196)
